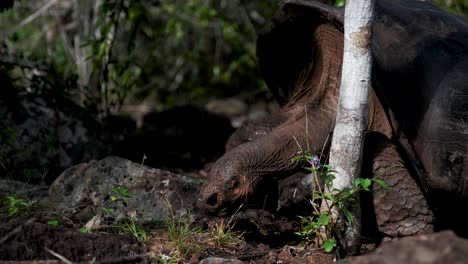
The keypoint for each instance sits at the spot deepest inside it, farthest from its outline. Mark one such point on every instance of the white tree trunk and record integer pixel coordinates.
(351, 120)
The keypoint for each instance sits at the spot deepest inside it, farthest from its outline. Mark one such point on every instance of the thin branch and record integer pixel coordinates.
(66, 43)
(16, 230)
(62, 258)
(33, 16)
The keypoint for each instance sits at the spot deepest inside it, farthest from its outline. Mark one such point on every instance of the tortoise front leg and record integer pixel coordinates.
(402, 209)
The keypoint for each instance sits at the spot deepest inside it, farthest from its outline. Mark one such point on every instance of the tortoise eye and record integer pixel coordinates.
(236, 184)
(242, 179)
(242, 187)
(239, 182)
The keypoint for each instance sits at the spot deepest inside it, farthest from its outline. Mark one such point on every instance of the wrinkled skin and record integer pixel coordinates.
(235, 175)
(417, 115)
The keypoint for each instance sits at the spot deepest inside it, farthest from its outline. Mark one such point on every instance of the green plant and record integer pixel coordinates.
(16, 205)
(133, 228)
(322, 221)
(120, 191)
(83, 230)
(223, 235)
(54, 222)
(181, 234)
(106, 209)
(118, 194)
(172, 258)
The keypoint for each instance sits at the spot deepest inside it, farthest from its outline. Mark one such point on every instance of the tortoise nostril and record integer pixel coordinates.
(212, 199)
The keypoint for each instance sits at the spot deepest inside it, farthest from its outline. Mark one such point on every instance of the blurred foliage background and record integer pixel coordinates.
(107, 53)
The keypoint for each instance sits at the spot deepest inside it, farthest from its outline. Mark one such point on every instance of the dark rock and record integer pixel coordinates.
(213, 260)
(443, 247)
(39, 139)
(154, 195)
(295, 191)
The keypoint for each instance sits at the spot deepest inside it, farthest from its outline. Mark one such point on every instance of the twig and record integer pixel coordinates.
(141, 166)
(55, 254)
(32, 17)
(16, 230)
(257, 254)
(6, 169)
(126, 259)
(66, 43)
(249, 23)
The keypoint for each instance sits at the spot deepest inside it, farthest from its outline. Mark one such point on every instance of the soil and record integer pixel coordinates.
(247, 251)
(33, 240)
(29, 237)
(23, 240)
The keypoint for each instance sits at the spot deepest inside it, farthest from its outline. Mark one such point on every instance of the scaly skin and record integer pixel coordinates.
(402, 209)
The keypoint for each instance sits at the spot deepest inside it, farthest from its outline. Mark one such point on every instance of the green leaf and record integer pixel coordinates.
(323, 220)
(54, 222)
(10, 199)
(330, 197)
(329, 245)
(107, 210)
(347, 190)
(347, 193)
(12, 211)
(85, 231)
(122, 192)
(297, 158)
(329, 178)
(363, 183)
(349, 215)
(340, 3)
(381, 183)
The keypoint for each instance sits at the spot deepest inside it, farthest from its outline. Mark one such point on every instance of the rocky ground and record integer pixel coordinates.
(132, 197)
(114, 210)
(93, 211)
(117, 211)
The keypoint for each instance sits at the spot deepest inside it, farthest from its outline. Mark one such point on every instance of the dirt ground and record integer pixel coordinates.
(26, 240)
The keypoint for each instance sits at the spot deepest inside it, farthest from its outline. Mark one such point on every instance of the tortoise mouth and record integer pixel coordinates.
(212, 200)
(217, 204)
(212, 203)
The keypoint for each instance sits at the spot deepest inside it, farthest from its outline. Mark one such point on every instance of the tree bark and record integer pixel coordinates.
(351, 120)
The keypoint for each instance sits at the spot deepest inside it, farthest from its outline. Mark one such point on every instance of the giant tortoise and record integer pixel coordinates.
(417, 134)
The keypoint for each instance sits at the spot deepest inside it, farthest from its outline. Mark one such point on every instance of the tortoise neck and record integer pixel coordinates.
(319, 81)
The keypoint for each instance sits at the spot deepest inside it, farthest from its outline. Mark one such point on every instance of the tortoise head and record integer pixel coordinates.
(229, 184)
